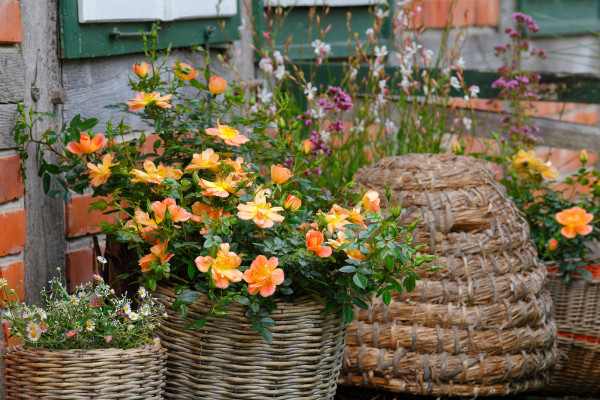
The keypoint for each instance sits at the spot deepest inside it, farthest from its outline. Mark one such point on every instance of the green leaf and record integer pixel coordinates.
(409, 283)
(46, 182)
(360, 281)
(387, 298)
(360, 303)
(268, 321)
(266, 334)
(584, 273)
(200, 323)
(242, 300)
(348, 314)
(256, 326)
(88, 124)
(151, 284)
(348, 269)
(189, 296)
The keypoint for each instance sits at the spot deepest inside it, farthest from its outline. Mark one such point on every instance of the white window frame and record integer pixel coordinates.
(94, 11)
(328, 3)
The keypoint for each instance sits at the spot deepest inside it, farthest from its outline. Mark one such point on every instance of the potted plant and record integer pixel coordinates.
(85, 345)
(221, 228)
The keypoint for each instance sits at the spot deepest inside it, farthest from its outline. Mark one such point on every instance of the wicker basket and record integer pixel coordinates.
(103, 374)
(481, 326)
(577, 312)
(227, 360)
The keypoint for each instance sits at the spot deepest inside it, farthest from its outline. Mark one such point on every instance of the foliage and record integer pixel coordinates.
(201, 210)
(90, 318)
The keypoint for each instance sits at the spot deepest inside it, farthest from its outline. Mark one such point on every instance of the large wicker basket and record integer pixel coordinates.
(104, 374)
(577, 313)
(228, 360)
(481, 326)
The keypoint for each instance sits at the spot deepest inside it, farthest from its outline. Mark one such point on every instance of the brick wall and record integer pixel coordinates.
(434, 13)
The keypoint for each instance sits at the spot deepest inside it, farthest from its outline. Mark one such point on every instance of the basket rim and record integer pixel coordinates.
(31, 349)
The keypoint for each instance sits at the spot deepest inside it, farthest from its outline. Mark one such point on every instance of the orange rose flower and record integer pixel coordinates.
(307, 146)
(157, 253)
(185, 71)
(217, 85)
(263, 276)
(207, 160)
(222, 187)
(292, 203)
(142, 100)
(229, 135)
(576, 221)
(280, 174)
(142, 69)
(177, 214)
(201, 210)
(87, 145)
(314, 240)
(154, 174)
(370, 201)
(261, 212)
(223, 267)
(552, 244)
(99, 173)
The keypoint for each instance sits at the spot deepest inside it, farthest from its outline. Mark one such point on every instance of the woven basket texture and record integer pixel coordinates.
(104, 374)
(227, 360)
(577, 313)
(483, 324)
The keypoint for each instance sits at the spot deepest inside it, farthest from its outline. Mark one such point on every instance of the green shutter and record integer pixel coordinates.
(105, 39)
(560, 17)
(296, 24)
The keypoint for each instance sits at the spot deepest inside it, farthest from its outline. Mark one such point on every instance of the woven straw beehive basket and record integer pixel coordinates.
(104, 374)
(577, 313)
(227, 360)
(481, 326)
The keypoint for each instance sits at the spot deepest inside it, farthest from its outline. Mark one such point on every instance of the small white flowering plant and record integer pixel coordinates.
(90, 318)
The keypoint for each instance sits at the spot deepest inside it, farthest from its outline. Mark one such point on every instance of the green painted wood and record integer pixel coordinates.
(570, 88)
(563, 17)
(297, 27)
(95, 40)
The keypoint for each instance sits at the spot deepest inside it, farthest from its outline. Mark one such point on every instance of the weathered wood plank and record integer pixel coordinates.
(45, 236)
(12, 78)
(8, 114)
(565, 135)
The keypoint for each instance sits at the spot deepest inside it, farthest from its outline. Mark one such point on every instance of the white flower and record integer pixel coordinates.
(318, 113)
(381, 100)
(380, 14)
(428, 55)
(390, 126)
(280, 72)
(101, 259)
(74, 299)
(353, 72)
(278, 57)
(325, 136)
(130, 327)
(376, 67)
(359, 125)
(266, 65)
(33, 327)
(467, 123)
(142, 292)
(310, 91)
(321, 48)
(145, 310)
(382, 83)
(460, 63)
(369, 32)
(127, 308)
(89, 325)
(2, 282)
(381, 52)
(265, 97)
(133, 316)
(33, 336)
(446, 71)
(474, 91)
(42, 314)
(455, 83)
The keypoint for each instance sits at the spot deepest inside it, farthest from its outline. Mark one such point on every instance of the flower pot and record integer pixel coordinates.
(227, 360)
(577, 313)
(37, 373)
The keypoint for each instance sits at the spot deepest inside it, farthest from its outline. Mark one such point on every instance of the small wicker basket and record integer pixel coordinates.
(577, 313)
(102, 374)
(228, 360)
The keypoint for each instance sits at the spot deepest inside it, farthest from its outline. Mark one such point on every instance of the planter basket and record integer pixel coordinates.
(577, 312)
(103, 374)
(481, 326)
(228, 360)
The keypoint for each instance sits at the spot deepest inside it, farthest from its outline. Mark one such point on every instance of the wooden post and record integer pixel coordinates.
(45, 243)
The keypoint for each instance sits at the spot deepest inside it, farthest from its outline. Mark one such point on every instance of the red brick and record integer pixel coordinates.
(148, 146)
(436, 13)
(12, 232)
(11, 185)
(80, 221)
(10, 341)
(15, 277)
(588, 116)
(488, 12)
(11, 30)
(80, 266)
